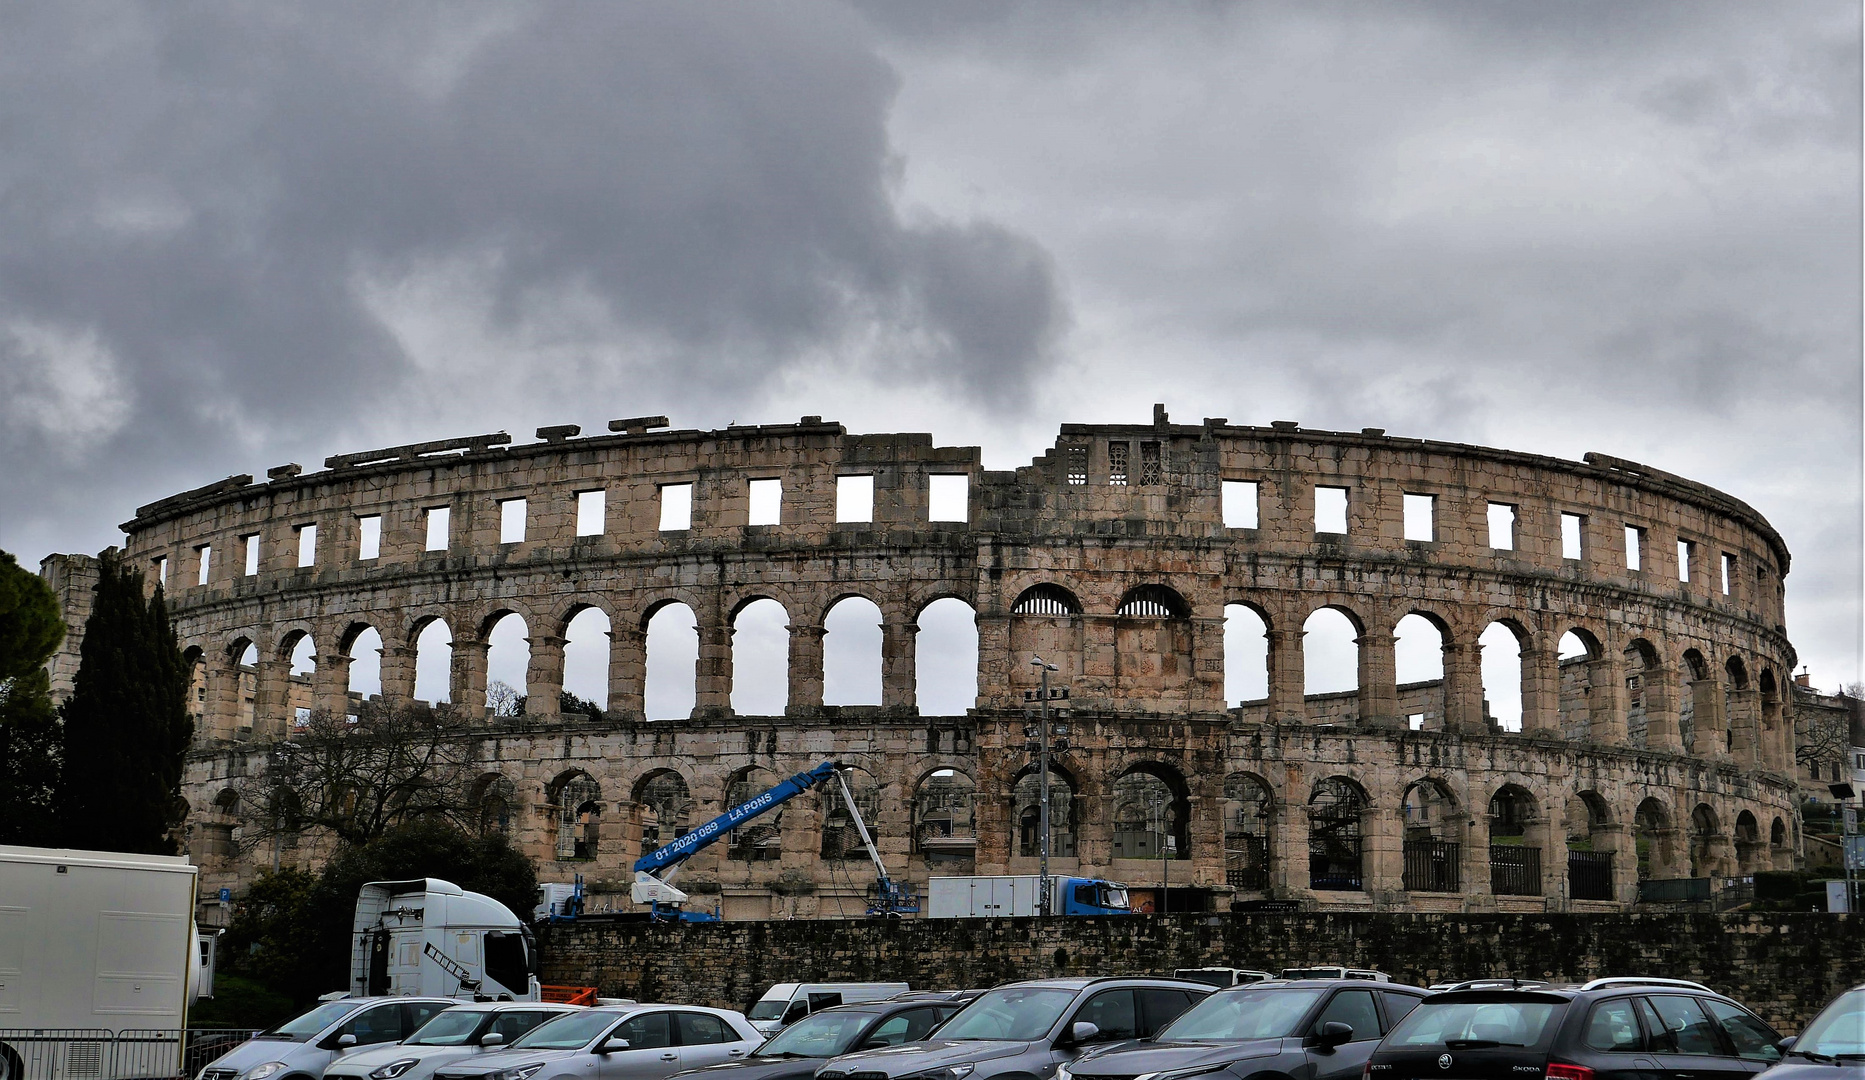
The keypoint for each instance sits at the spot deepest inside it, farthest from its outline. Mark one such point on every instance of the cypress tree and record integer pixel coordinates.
(30, 630)
(126, 723)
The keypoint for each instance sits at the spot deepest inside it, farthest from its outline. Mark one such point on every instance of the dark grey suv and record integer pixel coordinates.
(1310, 1029)
(1024, 1030)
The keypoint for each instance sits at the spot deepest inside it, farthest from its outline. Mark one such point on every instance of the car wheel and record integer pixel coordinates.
(11, 1066)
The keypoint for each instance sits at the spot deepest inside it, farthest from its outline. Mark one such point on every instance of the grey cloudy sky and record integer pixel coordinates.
(233, 236)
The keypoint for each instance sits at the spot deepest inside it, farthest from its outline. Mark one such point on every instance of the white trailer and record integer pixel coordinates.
(93, 945)
(430, 938)
(984, 897)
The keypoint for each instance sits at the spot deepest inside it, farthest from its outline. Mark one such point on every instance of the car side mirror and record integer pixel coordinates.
(1785, 1044)
(492, 1038)
(346, 1040)
(1333, 1033)
(873, 1044)
(610, 1046)
(1082, 1031)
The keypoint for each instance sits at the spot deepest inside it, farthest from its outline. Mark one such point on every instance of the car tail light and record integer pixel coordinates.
(1568, 1072)
(1366, 1071)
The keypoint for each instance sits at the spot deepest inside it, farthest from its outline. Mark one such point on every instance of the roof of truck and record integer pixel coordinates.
(175, 863)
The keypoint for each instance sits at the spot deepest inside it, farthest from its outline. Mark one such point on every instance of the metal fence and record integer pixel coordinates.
(1432, 865)
(1334, 864)
(1589, 875)
(1247, 862)
(1674, 891)
(102, 1054)
(1514, 870)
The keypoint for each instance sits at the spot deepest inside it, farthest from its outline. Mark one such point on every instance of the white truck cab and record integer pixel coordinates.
(431, 938)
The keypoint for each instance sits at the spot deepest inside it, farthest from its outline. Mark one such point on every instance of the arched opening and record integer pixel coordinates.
(1707, 855)
(433, 662)
(365, 652)
(760, 839)
(195, 659)
(840, 839)
(1026, 799)
(1590, 841)
(586, 661)
(1418, 666)
(1246, 655)
(578, 799)
(1046, 622)
(1645, 695)
(1152, 814)
(1046, 600)
(1152, 640)
(1433, 854)
(1514, 854)
(245, 656)
(1336, 811)
(945, 829)
(1748, 849)
(1248, 810)
(1779, 850)
(1774, 750)
(761, 659)
(1652, 840)
(851, 653)
(508, 663)
(1576, 652)
(945, 658)
(1331, 665)
(1698, 713)
(285, 812)
(1501, 643)
(302, 653)
(492, 804)
(663, 808)
(672, 685)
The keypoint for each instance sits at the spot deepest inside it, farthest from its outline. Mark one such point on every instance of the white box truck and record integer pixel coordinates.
(1015, 894)
(99, 958)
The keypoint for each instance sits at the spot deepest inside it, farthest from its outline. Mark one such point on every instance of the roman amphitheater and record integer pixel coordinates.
(1648, 734)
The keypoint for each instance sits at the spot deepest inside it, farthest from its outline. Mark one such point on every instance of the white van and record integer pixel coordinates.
(786, 1003)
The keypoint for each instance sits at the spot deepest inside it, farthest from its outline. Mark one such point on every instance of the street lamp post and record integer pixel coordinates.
(1042, 773)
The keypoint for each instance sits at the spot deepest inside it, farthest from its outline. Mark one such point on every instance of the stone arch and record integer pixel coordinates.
(1045, 621)
(1654, 839)
(671, 688)
(1592, 843)
(1578, 650)
(663, 807)
(1046, 599)
(1153, 601)
(1708, 844)
(1420, 639)
(945, 831)
(760, 656)
(1749, 852)
(1246, 653)
(363, 645)
(506, 633)
(1152, 641)
(1517, 841)
(1433, 843)
(762, 838)
(852, 651)
(194, 658)
(1337, 809)
(1331, 635)
(1249, 823)
(432, 639)
(945, 656)
(1779, 849)
(1026, 807)
(1776, 746)
(840, 840)
(577, 798)
(1506, 646)
(1651, 718)
(297, 647)
(1151, 805)
(493, 800)
(1737, 671)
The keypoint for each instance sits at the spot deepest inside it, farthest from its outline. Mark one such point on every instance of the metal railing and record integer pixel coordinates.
(1589, 875)
(1674, 891)
(1248, 863)
(1335, 865)
(1432, 865)
(1514, 870)
(102, 1054)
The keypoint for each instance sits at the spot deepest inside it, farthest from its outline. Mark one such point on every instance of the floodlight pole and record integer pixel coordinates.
(1042, 773)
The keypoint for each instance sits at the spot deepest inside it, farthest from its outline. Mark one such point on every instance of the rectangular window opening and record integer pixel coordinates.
(511, 521)
(1331, 510)
(676, 507)
(949, 497)
(437, 521)
(1686, 551)
(1501, 527)
(205, 555)
(307, 545)
(1240, 511)
(251, 543)
(592, 510)
(1117, 463)
(1728, 572)
(854, 498)
(1077, 465)
(369, 536)
(1421, 513)
(1152, 464)
(1416, 721)
(1570, 535)
(161, 570)
(767, 502)
(1634, 548)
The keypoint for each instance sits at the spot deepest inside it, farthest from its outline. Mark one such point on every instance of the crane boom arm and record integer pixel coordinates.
(684, 847)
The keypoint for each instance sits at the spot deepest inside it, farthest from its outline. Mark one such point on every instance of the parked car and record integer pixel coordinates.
(1223, 976)
(786, 1003)
(1317, 1029)
(1607, 1029)
(459, 1032)
(1027, 1029)
(300, 1048)
(1835, 1037)
(625, 1042)
(1335, 971)
(797, 1051)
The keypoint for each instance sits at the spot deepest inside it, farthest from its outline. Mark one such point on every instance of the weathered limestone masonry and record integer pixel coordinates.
(1785, 967)
(1661, 746)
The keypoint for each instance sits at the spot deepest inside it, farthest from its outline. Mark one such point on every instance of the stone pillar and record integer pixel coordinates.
(1463, 688)
(222, 709)
(994, 661)
(1288, 850)
(544, 675)
(469, 677)
(1206, 687)
(1709, 732)
(628, 666)
(1382, 848)
(1744, 717)
(1285, 677)
(398, 666)
(805, 668)
(1605, 702)
(272, 711)
(712, 689)
(330, 686)
(1775, 751)
(1661, 725)
(1379, 681)
(897, 664)
(1541, 688)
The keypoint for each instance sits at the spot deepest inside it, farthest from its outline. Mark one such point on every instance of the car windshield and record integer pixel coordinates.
(1242, 1014)
(1018, 1013)
(572, 1031)
(768, 1009)
(1839, 1030)
(1473, 1024)
(824, 1035)
(450, 1028)
(300, 1028)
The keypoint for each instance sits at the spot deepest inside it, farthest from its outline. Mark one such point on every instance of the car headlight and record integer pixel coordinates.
(394, 1069)
(949, 1072)
(260, 1072)
(1063, 1072)
(522, 1072)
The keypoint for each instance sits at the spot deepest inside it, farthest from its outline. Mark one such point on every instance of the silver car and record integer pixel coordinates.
(463, 1031)
(624, 1042)
(300, 1048)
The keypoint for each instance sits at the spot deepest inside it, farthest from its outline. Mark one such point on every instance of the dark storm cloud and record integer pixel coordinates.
(218, 223)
